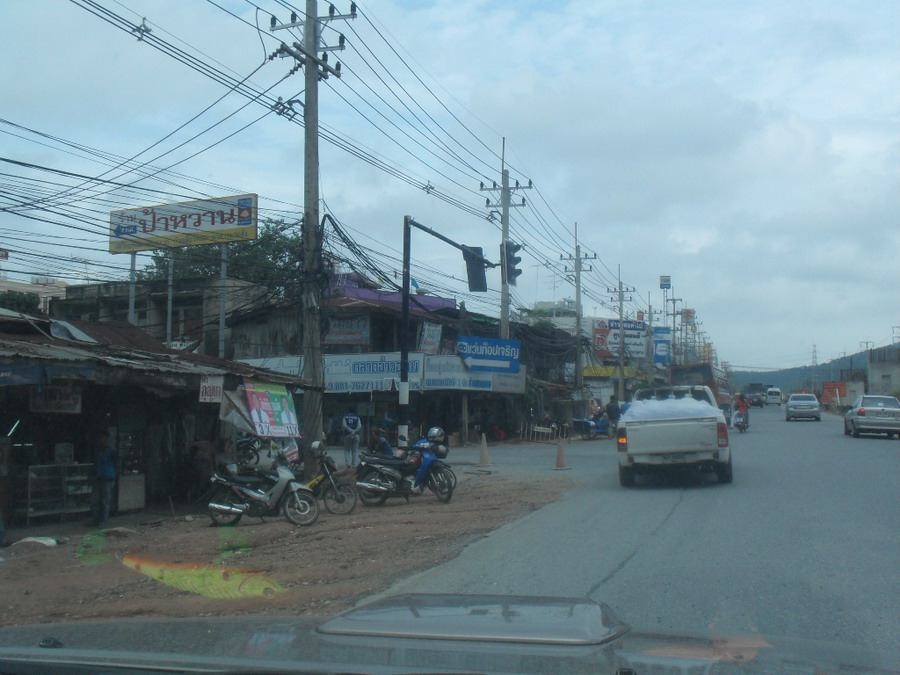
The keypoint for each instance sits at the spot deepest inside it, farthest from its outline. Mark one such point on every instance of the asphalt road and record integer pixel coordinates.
(803, 544)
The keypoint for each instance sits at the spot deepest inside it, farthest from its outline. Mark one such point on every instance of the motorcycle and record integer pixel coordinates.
(339, 497)
(257, 492)
(379, 477)
(740, 422)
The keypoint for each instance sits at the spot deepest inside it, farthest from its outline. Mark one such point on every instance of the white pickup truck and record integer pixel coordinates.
(673, 427)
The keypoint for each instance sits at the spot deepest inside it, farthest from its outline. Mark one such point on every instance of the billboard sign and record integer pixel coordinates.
(207, 221)
(488, 354)
(606, 338)
(665, 282)
(347, 373)
(662, 345)
(353, 331)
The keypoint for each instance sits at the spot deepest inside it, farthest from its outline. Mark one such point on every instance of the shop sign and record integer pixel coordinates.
(348, 373)
(55, 399)
(271, 409)
(449, 372)
(211, 388)
(348, 331)
(430, 342)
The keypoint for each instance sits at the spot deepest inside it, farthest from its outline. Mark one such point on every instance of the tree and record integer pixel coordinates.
(273, 260)
(27, 303)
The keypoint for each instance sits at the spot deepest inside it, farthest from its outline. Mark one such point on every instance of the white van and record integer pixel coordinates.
(773, 396)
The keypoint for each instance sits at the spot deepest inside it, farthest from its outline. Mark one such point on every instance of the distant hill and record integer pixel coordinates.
(801, 377)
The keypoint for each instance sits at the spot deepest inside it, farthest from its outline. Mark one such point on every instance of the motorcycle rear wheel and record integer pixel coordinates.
(300, 508)
(371, 497)
(228, 498)
(441, 483)
(339, 500)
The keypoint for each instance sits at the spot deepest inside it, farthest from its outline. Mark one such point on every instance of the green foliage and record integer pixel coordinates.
(27, 303)
(274, 260)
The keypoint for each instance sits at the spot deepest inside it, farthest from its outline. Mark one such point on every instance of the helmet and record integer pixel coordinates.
(435, 434)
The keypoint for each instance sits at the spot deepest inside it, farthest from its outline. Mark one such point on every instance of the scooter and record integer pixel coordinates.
(257, 492)
(740, 422)
(379, 477)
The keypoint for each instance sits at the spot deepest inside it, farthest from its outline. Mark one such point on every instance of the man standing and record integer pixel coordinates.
(352, 426)
(104, 478)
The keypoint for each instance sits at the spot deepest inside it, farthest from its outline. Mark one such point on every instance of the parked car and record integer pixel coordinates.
(801, 406)
(873, 415)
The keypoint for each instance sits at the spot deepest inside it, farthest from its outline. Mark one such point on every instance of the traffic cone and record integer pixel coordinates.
(560, 457)
(483, 459)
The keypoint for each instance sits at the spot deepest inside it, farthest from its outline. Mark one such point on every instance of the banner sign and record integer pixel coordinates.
(662, 345)
(271, 410)
(211, 388)
(208, 221)
(488, 354)
(348, 331)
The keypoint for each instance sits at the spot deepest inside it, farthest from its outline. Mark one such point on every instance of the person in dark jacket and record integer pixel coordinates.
(104, 478)
(612, 412)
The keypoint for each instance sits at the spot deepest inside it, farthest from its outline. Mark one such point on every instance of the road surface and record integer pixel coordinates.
(803, 544)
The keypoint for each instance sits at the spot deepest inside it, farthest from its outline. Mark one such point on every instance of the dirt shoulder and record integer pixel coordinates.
(165, 566)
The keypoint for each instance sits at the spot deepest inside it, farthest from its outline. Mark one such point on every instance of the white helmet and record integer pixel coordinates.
(435, 434)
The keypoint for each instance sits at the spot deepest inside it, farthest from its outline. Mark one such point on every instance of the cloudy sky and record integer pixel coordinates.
(748, 149)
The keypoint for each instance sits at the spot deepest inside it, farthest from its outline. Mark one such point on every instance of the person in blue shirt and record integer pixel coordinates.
(104, 478)
(352, 426)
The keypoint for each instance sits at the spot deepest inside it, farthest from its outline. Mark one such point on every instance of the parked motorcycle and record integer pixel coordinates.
(379, 477)
(257, 492)
(339, 497)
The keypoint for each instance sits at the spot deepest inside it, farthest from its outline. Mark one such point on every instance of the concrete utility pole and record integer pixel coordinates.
(504, 206)
(579, 313)
(621, 302)
(673, 300)
(651, 352)
(315, 67)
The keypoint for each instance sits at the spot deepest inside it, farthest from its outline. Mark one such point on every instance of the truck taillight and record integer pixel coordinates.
(722, 434)
(622, 440)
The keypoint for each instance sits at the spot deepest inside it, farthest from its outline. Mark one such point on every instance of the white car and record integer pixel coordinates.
(873, 414)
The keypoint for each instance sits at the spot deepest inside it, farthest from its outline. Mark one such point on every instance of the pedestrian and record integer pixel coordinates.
(351, 425)
(104, 478)
(612, 412)
(379, 443)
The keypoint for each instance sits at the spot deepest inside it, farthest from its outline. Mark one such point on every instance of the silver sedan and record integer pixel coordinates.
(873, 414)
(803, 405)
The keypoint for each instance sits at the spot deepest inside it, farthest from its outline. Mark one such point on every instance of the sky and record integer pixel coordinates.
(748, 150)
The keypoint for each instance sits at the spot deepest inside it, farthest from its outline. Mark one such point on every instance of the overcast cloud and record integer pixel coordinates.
(748, 149)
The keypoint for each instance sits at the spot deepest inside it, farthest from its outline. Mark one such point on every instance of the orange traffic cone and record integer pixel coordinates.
(560, 457)
(483, 459)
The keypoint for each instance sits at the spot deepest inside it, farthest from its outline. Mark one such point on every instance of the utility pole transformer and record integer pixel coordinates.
(315, 67)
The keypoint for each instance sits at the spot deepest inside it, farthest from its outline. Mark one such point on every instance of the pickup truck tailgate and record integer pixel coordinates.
(666, 436)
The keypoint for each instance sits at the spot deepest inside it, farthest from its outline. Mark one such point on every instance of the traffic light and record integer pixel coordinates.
(473, 255)
(508, 252)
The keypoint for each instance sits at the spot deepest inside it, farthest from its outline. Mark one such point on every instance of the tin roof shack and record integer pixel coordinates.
(61, 381)
(195, 307)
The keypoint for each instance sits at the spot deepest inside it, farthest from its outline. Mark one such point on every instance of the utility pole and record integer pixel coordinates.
(650, 346)
(673, 300)
(621, 301)
(506, 278)
(315, 67)
(579, 313)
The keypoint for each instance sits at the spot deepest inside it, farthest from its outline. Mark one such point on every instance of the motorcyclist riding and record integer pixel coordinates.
(741, 407)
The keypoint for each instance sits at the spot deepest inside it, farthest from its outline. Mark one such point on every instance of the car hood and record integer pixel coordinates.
(416, 633)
